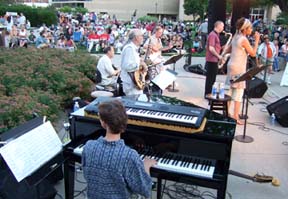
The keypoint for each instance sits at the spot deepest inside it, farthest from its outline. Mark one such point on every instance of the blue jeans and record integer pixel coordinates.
(275, 64)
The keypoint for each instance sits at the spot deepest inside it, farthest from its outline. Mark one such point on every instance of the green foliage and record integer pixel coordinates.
(41, 81)
(80, 10)
(282, 19)
(36, 16)
(195, 7)
(67, 9)
(147, 19)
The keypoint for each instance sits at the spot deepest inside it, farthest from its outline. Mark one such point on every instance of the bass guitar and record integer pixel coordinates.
(261, 178)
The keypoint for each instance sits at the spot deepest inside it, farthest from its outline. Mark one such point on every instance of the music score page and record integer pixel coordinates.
(30, 151)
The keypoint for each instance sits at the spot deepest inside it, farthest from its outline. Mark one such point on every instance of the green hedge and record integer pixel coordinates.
(41, 81)
(36, 16)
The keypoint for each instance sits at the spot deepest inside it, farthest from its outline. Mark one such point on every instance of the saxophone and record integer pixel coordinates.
(227, 55)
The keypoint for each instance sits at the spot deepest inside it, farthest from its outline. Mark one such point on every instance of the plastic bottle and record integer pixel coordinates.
(273, 118)
(76, 106)
(221, 91)
(214, 90)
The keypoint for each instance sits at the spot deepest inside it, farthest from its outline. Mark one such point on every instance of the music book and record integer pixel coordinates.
(165, 78)
(25, 154)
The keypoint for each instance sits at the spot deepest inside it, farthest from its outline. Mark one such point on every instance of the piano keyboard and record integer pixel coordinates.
(188, 165)
(181, 118)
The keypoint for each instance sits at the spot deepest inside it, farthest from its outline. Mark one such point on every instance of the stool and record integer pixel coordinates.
(96, 94)
(219, 104)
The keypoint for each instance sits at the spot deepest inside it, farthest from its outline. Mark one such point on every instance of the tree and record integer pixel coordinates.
(283, 4)
(195, 7)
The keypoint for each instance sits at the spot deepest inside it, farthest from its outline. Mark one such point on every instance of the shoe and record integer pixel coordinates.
(239, 122)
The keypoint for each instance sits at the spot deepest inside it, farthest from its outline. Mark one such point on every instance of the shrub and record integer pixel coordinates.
(42, 82)
(147, 19)
(36, 16)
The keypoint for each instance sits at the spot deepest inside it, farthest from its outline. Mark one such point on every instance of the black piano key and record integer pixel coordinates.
(183, 161)
(190, 161)
(187, 162)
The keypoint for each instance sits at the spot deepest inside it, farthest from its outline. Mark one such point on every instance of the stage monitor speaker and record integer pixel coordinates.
(196, 68)
(280, 109)
(256, 88)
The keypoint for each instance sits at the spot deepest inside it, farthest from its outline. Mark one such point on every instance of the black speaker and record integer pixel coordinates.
(256, 88)
(280, 109)
(196, 68)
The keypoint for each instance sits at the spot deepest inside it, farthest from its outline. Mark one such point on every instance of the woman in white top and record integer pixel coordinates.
(23, 37)
(240, 48)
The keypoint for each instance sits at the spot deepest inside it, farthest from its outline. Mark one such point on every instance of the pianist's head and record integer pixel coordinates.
(113, 116)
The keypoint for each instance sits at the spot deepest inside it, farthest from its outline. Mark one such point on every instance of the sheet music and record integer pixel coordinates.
(27, 153)
(284, 79)
(165, 78)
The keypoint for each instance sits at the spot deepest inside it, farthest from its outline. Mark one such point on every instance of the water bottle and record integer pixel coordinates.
(221, 91)
(273, 118)
(214, 90)
(76, 106)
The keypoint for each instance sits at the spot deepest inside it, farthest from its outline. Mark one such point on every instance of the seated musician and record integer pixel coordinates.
(131, 62)
(109, 75)
(116, 171)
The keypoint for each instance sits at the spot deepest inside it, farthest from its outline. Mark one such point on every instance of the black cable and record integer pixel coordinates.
(179, 190)
(59, 195)
(79, 192)
(264, 128)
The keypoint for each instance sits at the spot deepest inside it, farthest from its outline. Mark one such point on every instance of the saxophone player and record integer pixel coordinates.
(213, 48)
(155, 48)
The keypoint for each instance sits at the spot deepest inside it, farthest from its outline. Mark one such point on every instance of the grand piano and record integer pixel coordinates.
(191, 144)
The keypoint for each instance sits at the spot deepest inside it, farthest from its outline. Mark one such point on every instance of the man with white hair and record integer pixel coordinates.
(131, 62)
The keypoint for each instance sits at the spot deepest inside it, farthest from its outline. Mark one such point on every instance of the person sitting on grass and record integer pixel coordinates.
(41, 41)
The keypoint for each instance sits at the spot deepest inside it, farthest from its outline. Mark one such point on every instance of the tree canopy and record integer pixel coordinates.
(199, 7)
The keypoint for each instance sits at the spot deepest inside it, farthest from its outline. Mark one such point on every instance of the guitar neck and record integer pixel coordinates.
(241, 175)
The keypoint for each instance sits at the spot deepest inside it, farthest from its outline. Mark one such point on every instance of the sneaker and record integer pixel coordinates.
(269, 82)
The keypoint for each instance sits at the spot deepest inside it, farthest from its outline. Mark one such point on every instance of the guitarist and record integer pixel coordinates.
(131, 62)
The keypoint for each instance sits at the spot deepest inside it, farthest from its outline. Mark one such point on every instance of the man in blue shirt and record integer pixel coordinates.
(112, 169)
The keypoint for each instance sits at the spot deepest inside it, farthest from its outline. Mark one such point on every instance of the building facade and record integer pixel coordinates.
(124, 10)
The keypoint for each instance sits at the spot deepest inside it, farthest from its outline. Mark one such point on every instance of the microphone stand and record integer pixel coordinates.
(246, 77)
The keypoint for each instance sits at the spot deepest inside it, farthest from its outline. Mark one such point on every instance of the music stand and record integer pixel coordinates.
(172, 60)
(245, 77)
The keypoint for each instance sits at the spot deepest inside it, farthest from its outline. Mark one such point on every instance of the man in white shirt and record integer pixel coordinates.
(109, 75)
(130, 62)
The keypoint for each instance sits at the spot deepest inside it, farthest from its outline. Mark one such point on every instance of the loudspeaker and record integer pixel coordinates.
(256, 88)
(280, 109)
(196, 68)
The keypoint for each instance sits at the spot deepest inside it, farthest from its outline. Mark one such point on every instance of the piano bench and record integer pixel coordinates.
(219, 104)
(96, 94)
